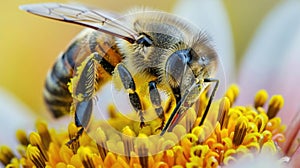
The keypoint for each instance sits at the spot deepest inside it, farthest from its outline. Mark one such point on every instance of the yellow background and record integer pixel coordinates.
(29, 45)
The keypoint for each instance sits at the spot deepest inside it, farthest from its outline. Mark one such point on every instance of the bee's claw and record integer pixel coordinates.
(142, 124)
(161, 126)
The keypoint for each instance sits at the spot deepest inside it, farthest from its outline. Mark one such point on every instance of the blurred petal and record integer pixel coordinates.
(211, 17)
(264, 160)
(13, 116)
(291, 135)
(272, 61)
(295, 160)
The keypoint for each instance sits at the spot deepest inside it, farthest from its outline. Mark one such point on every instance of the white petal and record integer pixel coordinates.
(273, 59)
(211, 17)
(264, 160)
(13, 116)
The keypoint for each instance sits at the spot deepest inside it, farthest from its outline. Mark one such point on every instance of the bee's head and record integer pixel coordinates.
(161, 36)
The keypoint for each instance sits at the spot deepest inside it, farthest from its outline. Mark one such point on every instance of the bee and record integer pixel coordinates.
(145, 48)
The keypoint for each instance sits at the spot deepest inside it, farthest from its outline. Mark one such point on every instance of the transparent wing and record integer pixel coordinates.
(81, 15)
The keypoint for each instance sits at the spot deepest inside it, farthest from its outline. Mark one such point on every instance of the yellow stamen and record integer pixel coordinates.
(134, 160)
(22, 137)
(110, 160)
(35, 155)
(179, 157)
(199, 151)
(254, 147)
(261, 122)
(65, 153)
(199, 133)
(6, 155)
(260, 98)
(142, 144)
(223, 112)
(101, 142)
(269, 147)
(212, 162)
(36, 140)
(161, 165)
(240, 131)
(42, 129)
(73, 130)
(275, 104)
(86, 156)
(232, 93)
(168, 157)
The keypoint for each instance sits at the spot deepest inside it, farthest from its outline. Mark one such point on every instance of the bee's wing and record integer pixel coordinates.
(81, 15)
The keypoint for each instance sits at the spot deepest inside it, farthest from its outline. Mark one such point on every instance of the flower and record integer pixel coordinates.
(240, 132)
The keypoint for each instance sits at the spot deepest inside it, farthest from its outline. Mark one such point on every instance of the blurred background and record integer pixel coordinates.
(29, 45)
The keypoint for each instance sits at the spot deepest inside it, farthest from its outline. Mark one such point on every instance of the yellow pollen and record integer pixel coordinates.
(232, 93)
(240, 131)
(260, 98)
(229, 133)
(73, 130)
(42, 129)
(101, 142)
(86, 156)
(275, 104)
(6, 155)
(22, 137)
(223, 112)
(35, 155)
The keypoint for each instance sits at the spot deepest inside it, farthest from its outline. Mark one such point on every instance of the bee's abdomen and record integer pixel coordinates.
(56, 93)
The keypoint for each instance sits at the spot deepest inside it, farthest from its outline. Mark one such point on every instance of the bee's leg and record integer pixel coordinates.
(82, 117)
(129, 86)
(156, 102)
(83, 85)
(211, 97)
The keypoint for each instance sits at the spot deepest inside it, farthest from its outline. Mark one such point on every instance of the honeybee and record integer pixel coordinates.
(144, 48)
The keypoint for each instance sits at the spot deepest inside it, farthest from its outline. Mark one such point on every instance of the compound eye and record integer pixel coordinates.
(145, 40)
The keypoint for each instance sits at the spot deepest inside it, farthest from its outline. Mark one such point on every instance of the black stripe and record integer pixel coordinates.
(107, 66)
(68, 56)
(54, 86)
(62, 72)
(59, 111)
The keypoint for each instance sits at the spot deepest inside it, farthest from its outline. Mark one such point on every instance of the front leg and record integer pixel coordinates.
(156, 102)
(129, 86)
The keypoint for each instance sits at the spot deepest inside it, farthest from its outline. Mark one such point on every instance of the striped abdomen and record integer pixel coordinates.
(56, 93)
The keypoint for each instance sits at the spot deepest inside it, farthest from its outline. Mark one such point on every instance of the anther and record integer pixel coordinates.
(6, 155)
(223, 112)
(85, 155)
(240, 131)
(35, 139)
(260, 98)
(232, 93)
(127, 138)
(34, 154)
(142, 144)
(43, 131)
(101, 142)
(275, 104)
(22, 137)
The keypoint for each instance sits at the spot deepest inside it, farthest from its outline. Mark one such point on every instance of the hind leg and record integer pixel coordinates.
(82, 87)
